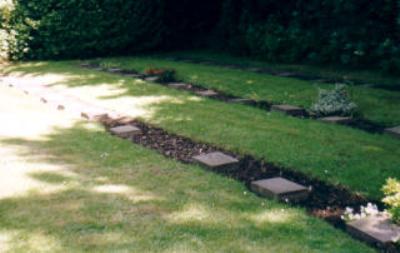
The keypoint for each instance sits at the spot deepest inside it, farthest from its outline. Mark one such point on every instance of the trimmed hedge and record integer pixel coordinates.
(355, 33)
(84, 28)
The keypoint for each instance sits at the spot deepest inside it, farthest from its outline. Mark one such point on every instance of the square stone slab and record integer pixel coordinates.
(286, 74)
(114, 70)
(152, 78)
(98, 68)
(337, 120)
(240, 101)
(85, 65)
(375, 229)
(178, 85)
(125, 131)
(255, 69)
(289, 109)
(280, 188)
(93, 116)
(217, 160)
(207, 93)
(395, 131)
(133, 75)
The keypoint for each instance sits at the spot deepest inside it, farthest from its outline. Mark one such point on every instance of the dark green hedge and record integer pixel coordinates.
(357, 32)
(353, 33)
(82, 28)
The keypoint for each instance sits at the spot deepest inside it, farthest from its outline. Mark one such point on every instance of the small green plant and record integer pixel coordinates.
(392, 198)
(334, 102)
(165, 75)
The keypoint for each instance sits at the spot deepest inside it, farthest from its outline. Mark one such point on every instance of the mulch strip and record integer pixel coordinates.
(326, 201)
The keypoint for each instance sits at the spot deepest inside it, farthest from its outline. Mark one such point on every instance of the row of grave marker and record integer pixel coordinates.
(283, 108)
(287, 74)
(377, 230)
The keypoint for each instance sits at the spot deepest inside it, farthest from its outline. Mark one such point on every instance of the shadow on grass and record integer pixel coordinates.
(337, 154)
(123, 198)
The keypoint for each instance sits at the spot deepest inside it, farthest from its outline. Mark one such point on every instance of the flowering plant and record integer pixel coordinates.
(368, 210)
(392, 198)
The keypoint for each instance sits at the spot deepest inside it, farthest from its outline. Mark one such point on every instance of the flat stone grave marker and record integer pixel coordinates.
(240, 101)
(152, 78)
(395, 131)
(217, 160)
(85, 65)
(98, 68)
(231, 66)
(93, 115)
(178, 85)
(132, 75)
(255, 69)
(114, 70)
(207, 62)
(377, 229)
(289, 109)
(286, 74)
(207, 93)
(337, 120)
(280, 188)
(125, 131)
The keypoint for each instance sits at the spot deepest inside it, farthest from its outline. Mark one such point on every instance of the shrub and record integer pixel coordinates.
(392, 198)
(6, 40)
(165, 75)
(66, 29)
(334, 102)
(314, 31)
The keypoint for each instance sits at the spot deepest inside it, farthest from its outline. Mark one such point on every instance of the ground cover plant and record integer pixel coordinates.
(333, 153)
(377, 105)
(83, 190)
(334, 102)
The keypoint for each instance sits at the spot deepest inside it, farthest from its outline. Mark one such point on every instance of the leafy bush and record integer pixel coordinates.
(165, 75)
(288, 31)
(334, 102)
(314, 31)
(64, 28)
(392, 198)
(6, 41)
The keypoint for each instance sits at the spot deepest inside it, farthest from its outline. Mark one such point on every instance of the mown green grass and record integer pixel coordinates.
(378, 105)
(366, 76)
(337, 154)
(114, 196)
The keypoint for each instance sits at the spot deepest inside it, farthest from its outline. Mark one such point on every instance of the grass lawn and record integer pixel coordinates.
(67, 186)
(331, 72)
(333, 153)
(378, 105)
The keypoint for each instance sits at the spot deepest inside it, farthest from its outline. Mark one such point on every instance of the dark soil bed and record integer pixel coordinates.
(326, 201)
